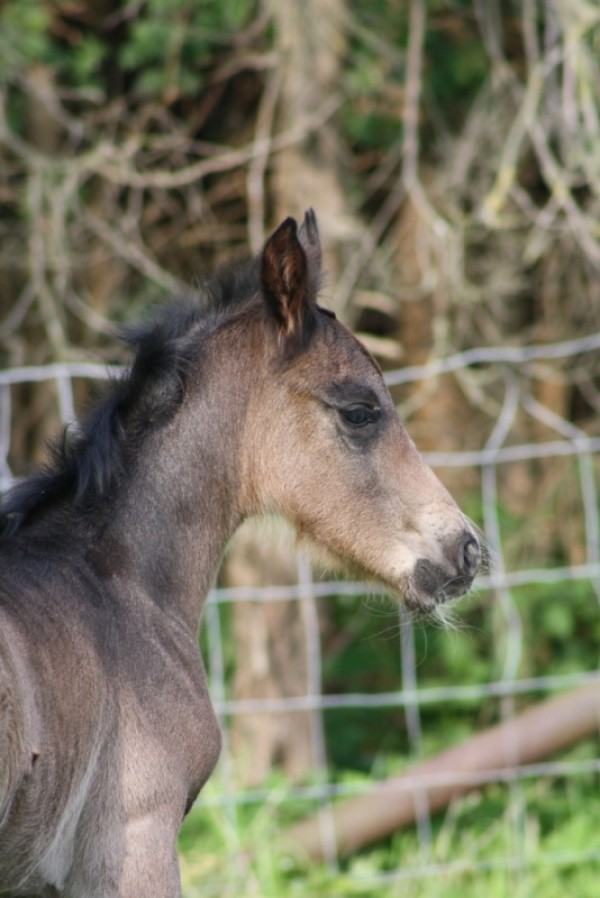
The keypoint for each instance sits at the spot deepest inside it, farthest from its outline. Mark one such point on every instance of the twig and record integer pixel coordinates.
(410, 118)
(116, 167)
(136, 255)
(255, 186)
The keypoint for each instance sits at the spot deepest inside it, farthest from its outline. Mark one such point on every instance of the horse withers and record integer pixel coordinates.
(245, 400)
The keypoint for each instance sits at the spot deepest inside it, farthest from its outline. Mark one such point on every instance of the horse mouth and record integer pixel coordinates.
(431, 584)
(422, 592)
(435, 585)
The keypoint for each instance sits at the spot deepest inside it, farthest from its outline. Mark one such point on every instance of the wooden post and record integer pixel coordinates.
(538, 732)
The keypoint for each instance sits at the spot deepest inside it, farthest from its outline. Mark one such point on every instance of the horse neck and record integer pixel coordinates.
(182, 502)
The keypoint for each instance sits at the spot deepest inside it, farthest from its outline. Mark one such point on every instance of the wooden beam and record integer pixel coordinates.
(539, 732)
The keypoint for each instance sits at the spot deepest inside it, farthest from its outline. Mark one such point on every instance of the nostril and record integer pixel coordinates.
(471, 553)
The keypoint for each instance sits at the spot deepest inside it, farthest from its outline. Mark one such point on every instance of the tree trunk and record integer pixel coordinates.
(310, 41)
(271, 662)
(271, 649)
(424, 314)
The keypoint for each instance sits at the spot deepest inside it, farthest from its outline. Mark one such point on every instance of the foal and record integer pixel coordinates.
(250, 399)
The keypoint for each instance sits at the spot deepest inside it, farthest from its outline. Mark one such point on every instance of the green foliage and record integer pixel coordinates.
(454, 67)
(165, 47)
(485, 843)
(86, 60)
(171, 42)
(457, 66)
(29, 37)
(561, 630)
(24, 38)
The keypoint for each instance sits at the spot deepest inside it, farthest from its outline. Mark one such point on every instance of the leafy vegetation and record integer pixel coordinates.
(479, 846)
(560, 633)
(536, 837)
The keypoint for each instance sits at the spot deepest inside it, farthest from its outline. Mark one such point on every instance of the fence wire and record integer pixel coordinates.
(514, 367)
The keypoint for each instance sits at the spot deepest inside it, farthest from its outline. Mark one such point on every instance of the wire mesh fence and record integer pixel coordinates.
(510, 676)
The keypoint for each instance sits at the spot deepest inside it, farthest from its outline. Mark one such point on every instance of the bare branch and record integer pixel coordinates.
(414, 61)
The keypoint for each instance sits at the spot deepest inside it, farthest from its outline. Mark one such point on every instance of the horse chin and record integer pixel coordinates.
(418, 601)
(404, 592)
(425, 601)
(420, 594)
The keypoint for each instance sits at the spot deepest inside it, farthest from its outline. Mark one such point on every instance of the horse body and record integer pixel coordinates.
(257, 402)
(111, 733)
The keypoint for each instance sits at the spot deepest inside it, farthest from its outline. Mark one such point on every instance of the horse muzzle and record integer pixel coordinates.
(436, 582)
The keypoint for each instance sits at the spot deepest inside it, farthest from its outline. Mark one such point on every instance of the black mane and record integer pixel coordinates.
(87, 462)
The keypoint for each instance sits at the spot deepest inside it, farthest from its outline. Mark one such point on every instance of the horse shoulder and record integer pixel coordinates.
(170, 735)
(18, 731)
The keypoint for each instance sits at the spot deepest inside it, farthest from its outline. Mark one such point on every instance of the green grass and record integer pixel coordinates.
(539, 840)
(543, 840)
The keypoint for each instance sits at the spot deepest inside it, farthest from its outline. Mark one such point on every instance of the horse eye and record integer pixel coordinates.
(359, 415)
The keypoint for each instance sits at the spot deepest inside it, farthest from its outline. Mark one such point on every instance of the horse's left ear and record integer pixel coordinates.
(288, 283)
(308, 235)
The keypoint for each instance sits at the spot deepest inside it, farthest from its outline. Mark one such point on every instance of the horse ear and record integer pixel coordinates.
(309, 239)
(286, 281)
